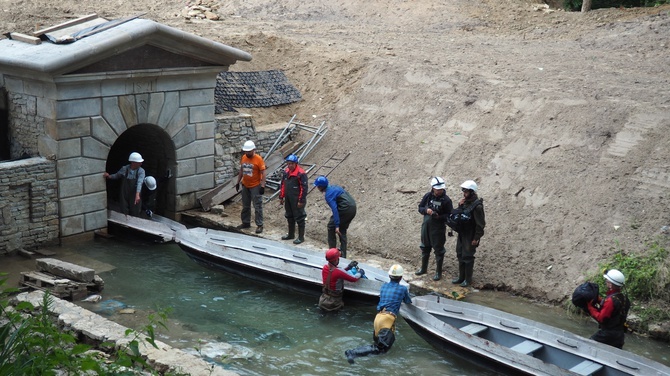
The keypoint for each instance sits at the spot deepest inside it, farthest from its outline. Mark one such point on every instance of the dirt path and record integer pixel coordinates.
(560, 117)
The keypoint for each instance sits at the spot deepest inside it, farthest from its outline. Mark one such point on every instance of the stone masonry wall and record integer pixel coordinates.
(230, 133)
(25, 124)
(29, 206)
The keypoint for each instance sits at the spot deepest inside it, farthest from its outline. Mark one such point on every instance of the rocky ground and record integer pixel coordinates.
(560, 117)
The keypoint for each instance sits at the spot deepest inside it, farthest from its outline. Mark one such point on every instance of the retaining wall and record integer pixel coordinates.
(29, 205)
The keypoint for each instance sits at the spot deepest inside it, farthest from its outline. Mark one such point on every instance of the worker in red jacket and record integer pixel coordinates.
(611, 311)
(333, 281)
(293, 195)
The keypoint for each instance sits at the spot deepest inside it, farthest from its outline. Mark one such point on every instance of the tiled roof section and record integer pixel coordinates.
(253, 89)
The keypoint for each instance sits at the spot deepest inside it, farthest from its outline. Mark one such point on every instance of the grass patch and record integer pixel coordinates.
(647, 280)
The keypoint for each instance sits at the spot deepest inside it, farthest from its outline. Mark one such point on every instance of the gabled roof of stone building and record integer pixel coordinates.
(130, 45)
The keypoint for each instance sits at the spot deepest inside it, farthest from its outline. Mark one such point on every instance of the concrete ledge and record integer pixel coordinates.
(99, 329)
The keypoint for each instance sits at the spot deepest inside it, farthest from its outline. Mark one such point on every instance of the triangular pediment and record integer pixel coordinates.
(143, 57)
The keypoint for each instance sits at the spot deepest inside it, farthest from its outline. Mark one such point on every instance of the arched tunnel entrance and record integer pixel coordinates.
(158, 152)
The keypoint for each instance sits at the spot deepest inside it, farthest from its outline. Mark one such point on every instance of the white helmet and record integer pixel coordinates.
(150, 181)
(437, 183)
(248, 146)
(135, 157)
(615, 276)
(396, 271)
(470, 184)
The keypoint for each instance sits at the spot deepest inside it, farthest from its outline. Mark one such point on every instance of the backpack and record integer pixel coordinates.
(461, 217)
(583, 294)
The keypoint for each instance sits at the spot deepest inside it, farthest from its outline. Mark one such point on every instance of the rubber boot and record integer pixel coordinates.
(301, 235)
(424, 265)
(468, 274)
(343, 253)
(361, 351)
(439, 259)
(291, 232)
(461, 274)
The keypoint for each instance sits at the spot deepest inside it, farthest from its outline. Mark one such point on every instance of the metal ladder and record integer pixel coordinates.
(328, 166)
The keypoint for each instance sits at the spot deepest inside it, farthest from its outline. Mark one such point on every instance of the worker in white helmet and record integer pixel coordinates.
(131, 186)
(391, 296)
(435, 206)
(252, 177)
(470, 233)
(148, 196)
(611, 311)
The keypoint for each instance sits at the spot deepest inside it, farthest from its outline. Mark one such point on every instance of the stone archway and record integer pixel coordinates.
(158, 151)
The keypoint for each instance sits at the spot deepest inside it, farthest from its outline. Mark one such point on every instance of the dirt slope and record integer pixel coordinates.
(562, 118)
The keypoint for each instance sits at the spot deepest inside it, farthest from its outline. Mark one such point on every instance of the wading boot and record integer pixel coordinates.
(461, 274)
(291, 232)
(424, 265)
(468, 274)
(301, 235)
(438, 268)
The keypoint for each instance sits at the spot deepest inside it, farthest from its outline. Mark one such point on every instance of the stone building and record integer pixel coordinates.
(77, 107)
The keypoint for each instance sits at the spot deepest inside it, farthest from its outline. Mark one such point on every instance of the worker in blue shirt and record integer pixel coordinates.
(343, 207)
(391, 296)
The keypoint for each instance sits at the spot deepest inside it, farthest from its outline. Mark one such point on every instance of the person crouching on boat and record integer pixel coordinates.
(391, 296)
(611, 311)
(333, 281)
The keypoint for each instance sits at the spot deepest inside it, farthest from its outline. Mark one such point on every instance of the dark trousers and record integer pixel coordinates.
(609, 337)
(250, 195)
(346, 217)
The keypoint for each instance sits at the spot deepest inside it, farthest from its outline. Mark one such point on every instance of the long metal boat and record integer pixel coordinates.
(516, 345)
(273, 262)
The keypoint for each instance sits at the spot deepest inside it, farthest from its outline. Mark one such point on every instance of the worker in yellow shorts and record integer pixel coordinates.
(391, 296)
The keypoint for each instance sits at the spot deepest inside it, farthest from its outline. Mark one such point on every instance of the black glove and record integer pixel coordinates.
(351, 265)
(237, 187)
(261, 190)
(362, 272)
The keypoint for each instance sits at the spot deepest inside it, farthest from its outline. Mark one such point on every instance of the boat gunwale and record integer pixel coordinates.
(548, 335)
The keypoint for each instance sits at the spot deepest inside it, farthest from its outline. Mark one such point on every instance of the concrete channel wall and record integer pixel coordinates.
(98, 329)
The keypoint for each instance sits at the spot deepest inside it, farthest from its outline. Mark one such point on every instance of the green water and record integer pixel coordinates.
(273, 331)
(276, 332)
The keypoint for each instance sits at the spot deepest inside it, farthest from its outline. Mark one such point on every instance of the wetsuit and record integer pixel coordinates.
(611, 317)
(294, 190)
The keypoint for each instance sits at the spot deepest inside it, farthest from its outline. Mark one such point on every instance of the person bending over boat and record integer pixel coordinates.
(333, 281)
(392, 294)
(343, 207)
(611, 311)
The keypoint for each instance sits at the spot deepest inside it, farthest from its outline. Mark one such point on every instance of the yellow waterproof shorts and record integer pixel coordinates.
(384, 320)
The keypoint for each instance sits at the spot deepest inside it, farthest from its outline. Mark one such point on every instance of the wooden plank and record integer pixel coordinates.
(218, 195)
(65, 24)
(25, 38)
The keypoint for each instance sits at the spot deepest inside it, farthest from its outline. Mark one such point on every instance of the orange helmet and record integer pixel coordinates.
(332, 254)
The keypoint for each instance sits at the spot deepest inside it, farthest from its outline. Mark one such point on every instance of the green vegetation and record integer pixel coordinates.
(647, 280)
(32, 344)
(576, 5)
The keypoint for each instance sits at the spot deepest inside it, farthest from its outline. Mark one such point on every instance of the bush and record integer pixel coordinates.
(646, 275)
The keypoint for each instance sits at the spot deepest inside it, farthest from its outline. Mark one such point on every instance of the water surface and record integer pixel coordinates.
(279, 332)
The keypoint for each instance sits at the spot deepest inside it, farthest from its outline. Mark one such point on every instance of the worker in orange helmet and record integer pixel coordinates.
(333, 281)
